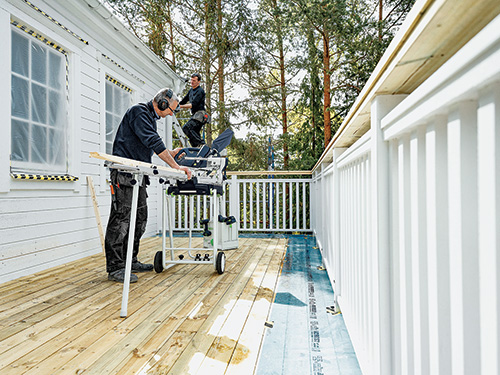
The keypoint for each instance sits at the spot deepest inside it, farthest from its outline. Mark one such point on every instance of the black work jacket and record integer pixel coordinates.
(197, 99)
(137, 136)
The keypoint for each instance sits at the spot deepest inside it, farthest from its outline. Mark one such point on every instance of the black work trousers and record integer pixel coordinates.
(192, 129)
(117, 231)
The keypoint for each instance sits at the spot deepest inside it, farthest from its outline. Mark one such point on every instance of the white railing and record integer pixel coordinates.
(260, 205)
(408, 222)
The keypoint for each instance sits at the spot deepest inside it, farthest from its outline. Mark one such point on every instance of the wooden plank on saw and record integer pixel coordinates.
(135, 163)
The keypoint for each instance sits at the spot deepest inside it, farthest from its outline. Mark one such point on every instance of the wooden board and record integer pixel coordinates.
(90, 182)
(136, 163)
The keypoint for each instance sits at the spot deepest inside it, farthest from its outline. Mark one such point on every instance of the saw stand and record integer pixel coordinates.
(217, 259)
(138, 170)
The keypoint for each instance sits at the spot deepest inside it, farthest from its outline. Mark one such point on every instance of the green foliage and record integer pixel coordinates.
(274, 50)
(148, 19)
(249, 154)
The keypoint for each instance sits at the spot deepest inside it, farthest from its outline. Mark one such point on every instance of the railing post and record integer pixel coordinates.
(234, 199)
(489, 226)
(380, 107)
(335, 227)
(312, 201)
(463, 234)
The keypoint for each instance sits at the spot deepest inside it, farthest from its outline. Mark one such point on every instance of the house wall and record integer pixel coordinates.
(48, 223)
(414, 255)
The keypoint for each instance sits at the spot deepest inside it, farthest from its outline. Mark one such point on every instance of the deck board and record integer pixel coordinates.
(184, 320)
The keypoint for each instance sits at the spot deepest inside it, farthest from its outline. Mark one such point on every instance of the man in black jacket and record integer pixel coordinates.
(195, 100)
(136, 138)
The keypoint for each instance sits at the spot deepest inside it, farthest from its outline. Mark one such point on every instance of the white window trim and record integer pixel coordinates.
(108, 68)
(74, 113)
(5, 97)
(29, 166)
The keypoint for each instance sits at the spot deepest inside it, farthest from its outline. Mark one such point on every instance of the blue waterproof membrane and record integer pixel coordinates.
(305, 338)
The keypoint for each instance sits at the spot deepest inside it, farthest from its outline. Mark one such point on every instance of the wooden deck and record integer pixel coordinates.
(185, 320)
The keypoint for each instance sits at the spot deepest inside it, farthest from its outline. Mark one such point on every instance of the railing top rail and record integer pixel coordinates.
(268, 173)
(272, 180)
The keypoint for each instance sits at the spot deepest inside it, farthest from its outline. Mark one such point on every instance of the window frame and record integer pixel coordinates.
(109, 68)
(115, 85)
(33, 37)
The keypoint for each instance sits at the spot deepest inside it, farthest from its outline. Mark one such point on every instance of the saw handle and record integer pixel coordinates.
(188, 152)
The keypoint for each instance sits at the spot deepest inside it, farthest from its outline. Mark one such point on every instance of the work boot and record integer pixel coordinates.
(141, 267)
(119, 276)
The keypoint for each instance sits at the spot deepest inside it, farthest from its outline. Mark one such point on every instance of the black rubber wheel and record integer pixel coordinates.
(158, 262)
(220, 263)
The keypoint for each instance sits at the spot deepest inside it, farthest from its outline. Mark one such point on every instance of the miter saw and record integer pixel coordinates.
(208, 167)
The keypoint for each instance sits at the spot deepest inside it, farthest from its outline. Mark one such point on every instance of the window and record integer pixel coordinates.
(118, 99)
(39, 104)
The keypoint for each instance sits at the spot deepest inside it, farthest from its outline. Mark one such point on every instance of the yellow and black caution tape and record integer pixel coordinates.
(118, 83)
(56, 22)
(122, 68)
(43, 177)
(49, 43)
(74, 35)
(38, 36)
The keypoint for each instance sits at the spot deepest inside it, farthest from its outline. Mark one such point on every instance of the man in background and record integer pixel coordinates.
(195, 100)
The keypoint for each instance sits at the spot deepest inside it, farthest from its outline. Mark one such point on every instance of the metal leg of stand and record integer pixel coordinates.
(163, 224)
(170, 225)
(215, 219)
(130, 245)
(191, 212)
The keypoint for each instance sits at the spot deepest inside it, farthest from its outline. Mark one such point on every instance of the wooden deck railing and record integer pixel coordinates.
(258, 204)
(408, 220)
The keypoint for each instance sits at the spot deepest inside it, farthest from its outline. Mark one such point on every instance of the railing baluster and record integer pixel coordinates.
(252, 184)
(304, 224)
(258, 198)
(244, 192)
(277, 213)
(264, 205)
(297, 206)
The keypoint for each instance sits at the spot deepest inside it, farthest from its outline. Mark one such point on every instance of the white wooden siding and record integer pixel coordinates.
(43, 223)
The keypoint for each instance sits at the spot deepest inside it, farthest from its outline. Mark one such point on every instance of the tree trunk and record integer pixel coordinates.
(380, 18)
(326, 82)
(313, 74)
(206, 65)
(220, 52)
(284, 118)
(171, 36)
(284, 114)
